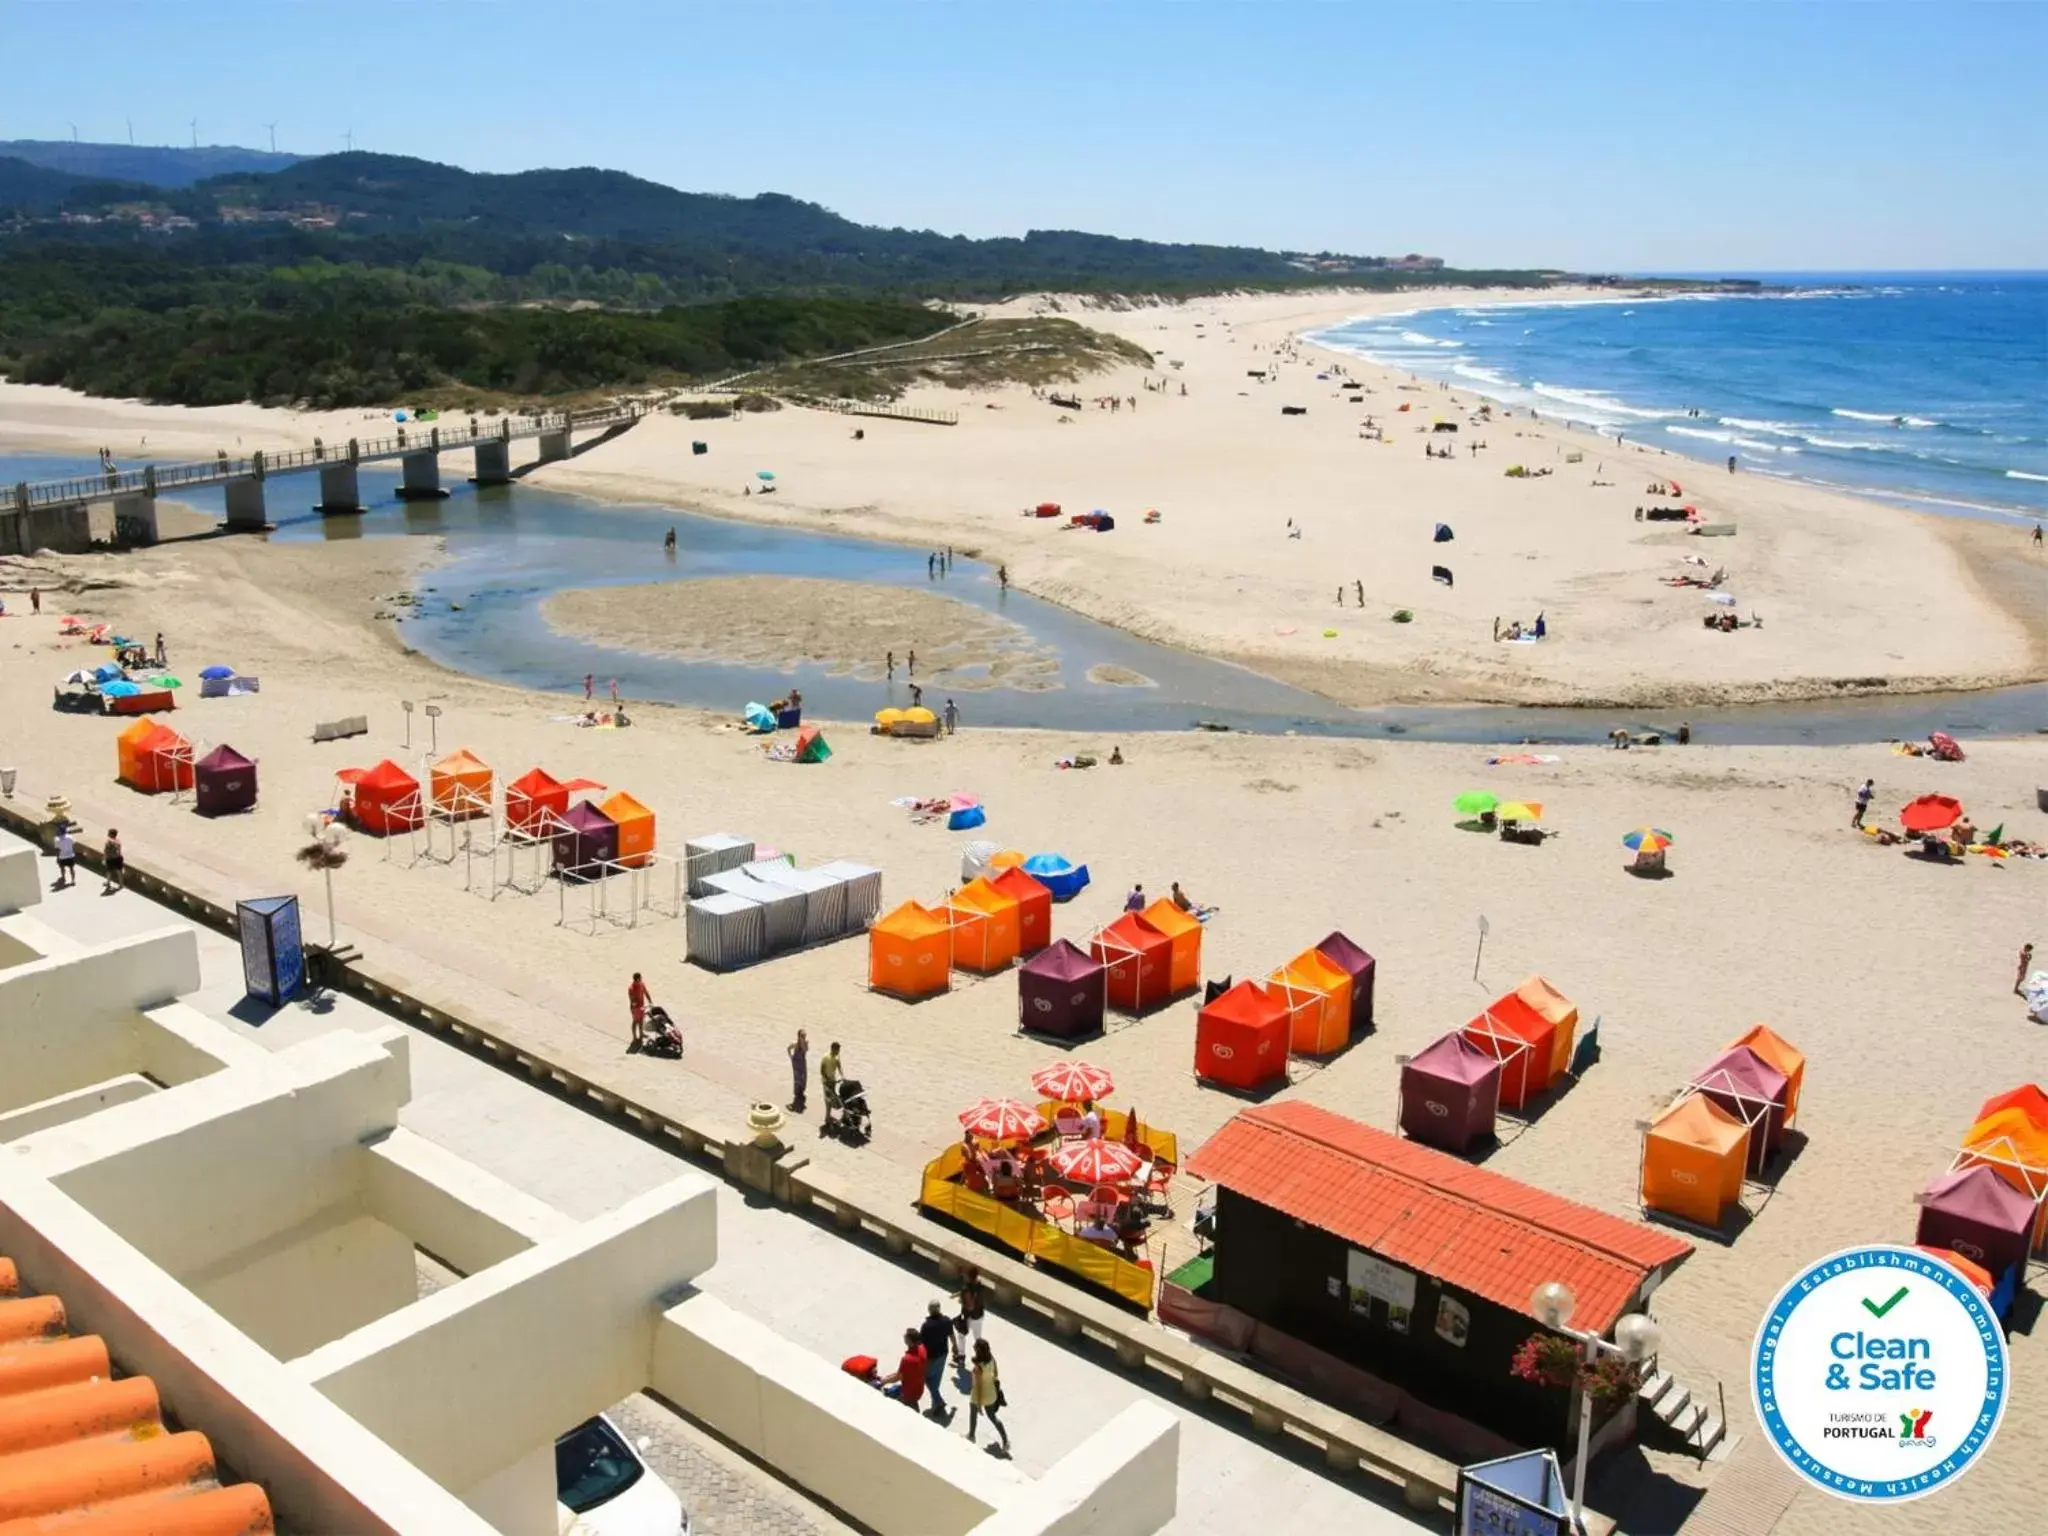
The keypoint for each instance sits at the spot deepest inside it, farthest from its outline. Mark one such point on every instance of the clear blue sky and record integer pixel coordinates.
(1644, 137)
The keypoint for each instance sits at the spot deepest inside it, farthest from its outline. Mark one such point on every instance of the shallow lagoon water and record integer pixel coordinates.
(510, 547)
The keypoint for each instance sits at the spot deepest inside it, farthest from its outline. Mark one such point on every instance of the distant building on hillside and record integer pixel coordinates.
(1414, 263)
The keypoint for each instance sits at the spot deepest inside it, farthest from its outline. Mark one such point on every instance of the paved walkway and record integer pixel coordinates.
(823, 1292)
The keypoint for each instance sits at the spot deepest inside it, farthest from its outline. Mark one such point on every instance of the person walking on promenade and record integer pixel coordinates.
(985, 1398)
(67, 858)
(1863, 798)
(116, 863)
(829, 1074)
(908, 1380)
(935, 1335)
(2026, 963)
(973, 1299)
(637, 999)
(799, 1060)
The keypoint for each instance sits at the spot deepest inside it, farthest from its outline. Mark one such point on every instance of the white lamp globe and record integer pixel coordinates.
(1637, 1336)
(1553, 1303)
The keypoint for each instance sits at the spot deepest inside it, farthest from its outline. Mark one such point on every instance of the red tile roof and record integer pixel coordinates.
(1476, 1230)
(90, 1456)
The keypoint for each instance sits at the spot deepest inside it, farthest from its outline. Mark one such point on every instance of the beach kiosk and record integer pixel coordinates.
(1062, 992)
(1450, 1092)
(1693, 1157)
(910, 952)
(1241, 1039)
(223, 782)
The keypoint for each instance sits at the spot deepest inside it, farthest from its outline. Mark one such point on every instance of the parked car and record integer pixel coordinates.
(603, 1488)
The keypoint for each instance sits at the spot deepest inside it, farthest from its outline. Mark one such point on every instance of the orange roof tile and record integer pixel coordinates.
(90, 1456)
(1413, 1205)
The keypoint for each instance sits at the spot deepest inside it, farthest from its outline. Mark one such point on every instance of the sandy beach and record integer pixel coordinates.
(1893, 975)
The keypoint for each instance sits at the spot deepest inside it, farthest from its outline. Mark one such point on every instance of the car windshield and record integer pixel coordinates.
(593, 1466)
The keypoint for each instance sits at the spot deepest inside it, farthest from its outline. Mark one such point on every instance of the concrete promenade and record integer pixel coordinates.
(823, 1292)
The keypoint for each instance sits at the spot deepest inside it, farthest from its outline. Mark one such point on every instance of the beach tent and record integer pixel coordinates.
(758, 718)
(2028, 1099)
(1443, 530)
(1693, 1156)
(824, 896)
(1034, 908)
(153, 757)
(1061, 991)
(1318, 997)
(811, 746)
(1774, 1049)
(587, 841)
(1140, 962)
(384, 799)
(783, 907)
(1754, 1092)
(1522, 1041)
(2016, 1149)
(1058, 874)
(964, 818)
(1241, 1038)
(984, 923)
(534, 799)
(1560, 1012)
(1980, 1216)
(863, 884)
(1450, 1092)
(1184, 974)
(723, 931)
(909, 952)
(224, 781)
(636, 828)
(1360, 966)
(706, 856)
(460, 785)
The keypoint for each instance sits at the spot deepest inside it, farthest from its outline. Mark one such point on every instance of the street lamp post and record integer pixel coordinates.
(1636, 1338)
(326, 853)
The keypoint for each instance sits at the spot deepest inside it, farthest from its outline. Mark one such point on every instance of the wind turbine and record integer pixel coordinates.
(273, 136)
(195, 133)
(131, 131)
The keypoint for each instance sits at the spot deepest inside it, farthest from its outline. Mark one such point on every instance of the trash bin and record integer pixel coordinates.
(7, 782)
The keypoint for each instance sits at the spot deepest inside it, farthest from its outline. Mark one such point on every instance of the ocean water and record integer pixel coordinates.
(1927, 389)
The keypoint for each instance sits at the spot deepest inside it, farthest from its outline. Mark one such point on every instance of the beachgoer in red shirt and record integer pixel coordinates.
(637, 998)
(907, 1385)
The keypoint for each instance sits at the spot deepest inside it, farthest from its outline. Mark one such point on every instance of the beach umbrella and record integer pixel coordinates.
(122, 689)
(1097, 1162)
(166, 681)
(214, 672)
(82, 677)
(1647, 840)
(1519, 810)
(1002, 1120)
(69, 618)
(764, 474)
(1475, 802)
(1073, 1082)
(959, 802)
(1930, 813)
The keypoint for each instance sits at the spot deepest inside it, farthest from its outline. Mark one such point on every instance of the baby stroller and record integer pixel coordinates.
(660, 1036)
(849, 1119)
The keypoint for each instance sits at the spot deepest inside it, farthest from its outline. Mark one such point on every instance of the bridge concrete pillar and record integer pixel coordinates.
(339, 492)
(422, 480)
(493, 463)
(135, 519)
(245, 505)
(554, 446)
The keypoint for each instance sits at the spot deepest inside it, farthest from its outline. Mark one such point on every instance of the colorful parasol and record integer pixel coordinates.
(1073, 1082)
(1520, 810)
(1647, 840)
(764, 474)
(1930, 813)
(120, 689)
(1097, 1162)
(1475, 802)
(216, 671)
(165, 680)
(1002, 1120)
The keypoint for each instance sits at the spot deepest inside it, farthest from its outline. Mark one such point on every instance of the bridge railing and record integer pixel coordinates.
(155, 479)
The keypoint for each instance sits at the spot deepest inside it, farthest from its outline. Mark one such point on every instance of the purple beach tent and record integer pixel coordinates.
(1356, 963)
(1754, 1092)
(1980, 1216)
(1061, 991)
(223, 781)
(588, 840)
(1450, 1092)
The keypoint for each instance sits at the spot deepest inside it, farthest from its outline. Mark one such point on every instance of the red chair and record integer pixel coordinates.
(1058, 1206)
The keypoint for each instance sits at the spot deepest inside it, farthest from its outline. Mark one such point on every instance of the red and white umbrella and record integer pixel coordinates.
(1002, 1120)
(1073, 1082)
(1097, 1162)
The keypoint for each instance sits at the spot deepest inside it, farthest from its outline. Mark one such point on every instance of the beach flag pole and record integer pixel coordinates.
(1482, 946)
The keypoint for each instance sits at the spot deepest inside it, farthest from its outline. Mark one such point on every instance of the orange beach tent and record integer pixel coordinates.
(1561, 1012)
(984, 923)
(460, 785)
(153, 758)
(1318, 999)
(1780, 1056)
(1184, 970)
(383, 799)
(2028, 1099)
(1034, 908)
(1693, 1157)
(636, 828)
(1139, 959)
(1524, 1041)
(909, 952)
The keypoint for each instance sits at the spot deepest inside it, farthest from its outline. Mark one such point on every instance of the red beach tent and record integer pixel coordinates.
(1140, 962)
(1241, 1038)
